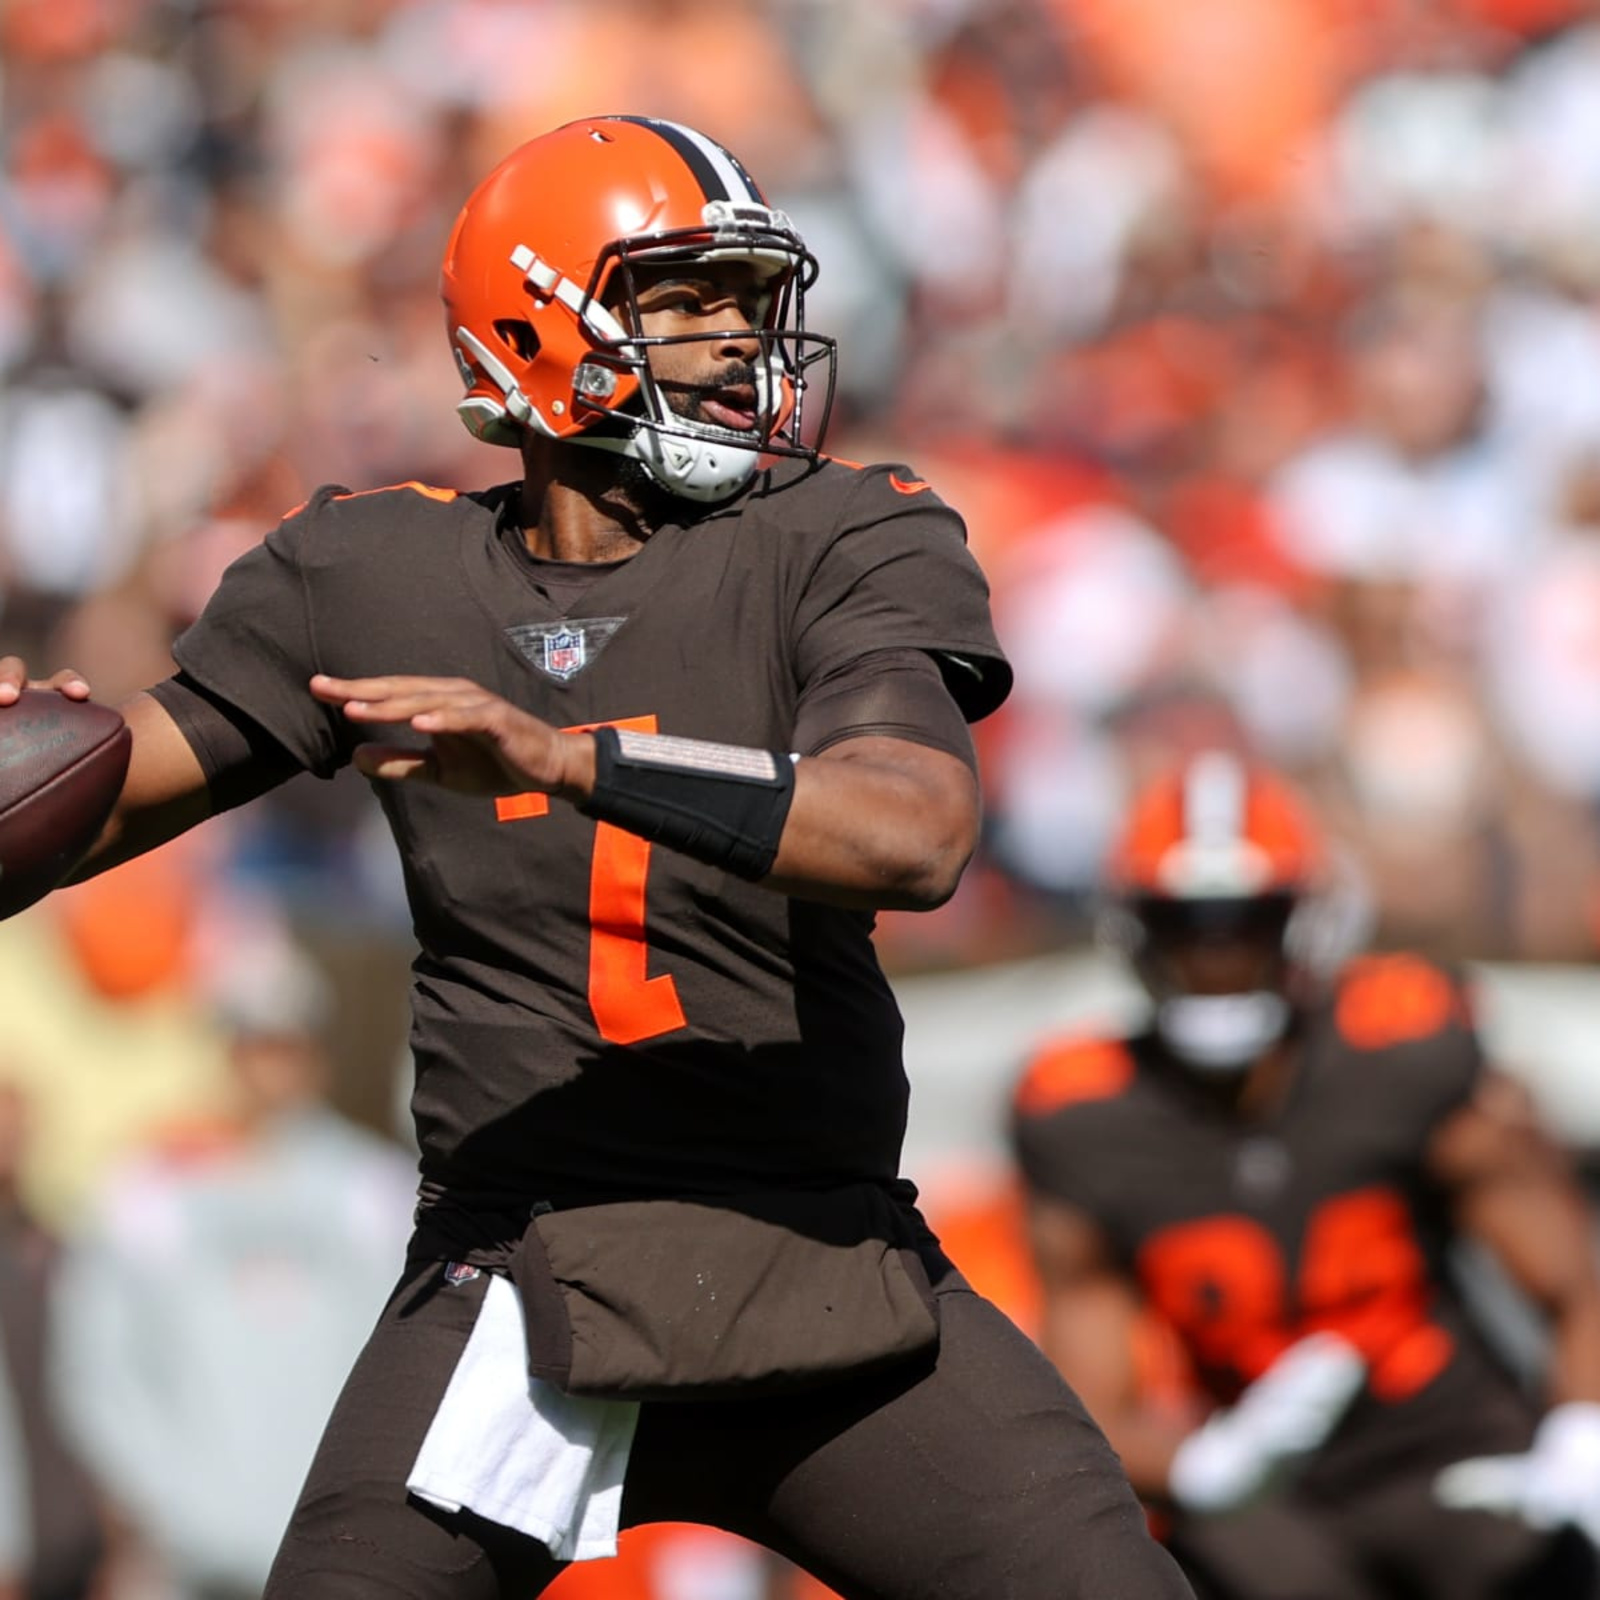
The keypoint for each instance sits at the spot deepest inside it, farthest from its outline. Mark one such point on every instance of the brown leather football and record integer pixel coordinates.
(62, 763)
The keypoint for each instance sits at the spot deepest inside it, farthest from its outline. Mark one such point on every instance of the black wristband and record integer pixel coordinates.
(722, 804)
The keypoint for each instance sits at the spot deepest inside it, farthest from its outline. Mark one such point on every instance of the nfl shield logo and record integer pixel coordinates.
(456, 1272)
(561, 650)
(563, 653)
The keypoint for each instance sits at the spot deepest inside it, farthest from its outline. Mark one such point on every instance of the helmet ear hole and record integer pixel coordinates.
(519, 336)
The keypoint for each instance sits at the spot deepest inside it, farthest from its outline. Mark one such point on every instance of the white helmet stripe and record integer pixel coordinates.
(1214, 800)
(716, 170)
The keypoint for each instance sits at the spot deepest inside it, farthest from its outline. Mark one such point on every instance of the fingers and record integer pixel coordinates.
(479, 743)
(484, 715)
(394, 764)
(336, 691)
(392, 686)
(72, 684)
(399, 698)
(14, 679)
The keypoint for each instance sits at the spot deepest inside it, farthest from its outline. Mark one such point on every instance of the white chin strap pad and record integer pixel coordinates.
(1222, 1032)
(695, 467)
(700, 464)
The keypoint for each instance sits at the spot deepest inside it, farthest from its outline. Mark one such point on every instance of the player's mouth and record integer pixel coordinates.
(734, 408)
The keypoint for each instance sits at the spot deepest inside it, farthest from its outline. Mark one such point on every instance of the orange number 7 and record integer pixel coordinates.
(628, 1006)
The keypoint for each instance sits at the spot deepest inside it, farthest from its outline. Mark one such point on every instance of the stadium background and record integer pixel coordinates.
(1259, 343)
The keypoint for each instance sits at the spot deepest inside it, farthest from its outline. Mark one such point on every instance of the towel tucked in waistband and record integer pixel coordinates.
(518, 1451)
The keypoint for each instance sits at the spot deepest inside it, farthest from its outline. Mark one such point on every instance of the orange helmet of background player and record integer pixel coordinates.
(1216, 828)
(1220, 856)
(539, 296)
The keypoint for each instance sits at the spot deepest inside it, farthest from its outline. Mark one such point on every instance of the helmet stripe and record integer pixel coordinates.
(1214, 800)
(719, 172)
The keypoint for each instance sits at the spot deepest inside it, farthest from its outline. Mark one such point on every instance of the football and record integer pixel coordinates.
(62, 763)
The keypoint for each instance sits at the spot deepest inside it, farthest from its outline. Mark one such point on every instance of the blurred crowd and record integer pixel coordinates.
(1259, 343)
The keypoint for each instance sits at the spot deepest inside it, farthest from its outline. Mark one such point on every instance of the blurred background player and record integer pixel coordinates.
(1275, 1167)
(211, 1302)
(57, 1548)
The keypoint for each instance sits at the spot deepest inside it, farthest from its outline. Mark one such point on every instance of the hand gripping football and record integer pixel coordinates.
(62, 763)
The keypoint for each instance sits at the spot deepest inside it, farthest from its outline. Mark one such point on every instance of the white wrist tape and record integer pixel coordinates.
(1283, 1416)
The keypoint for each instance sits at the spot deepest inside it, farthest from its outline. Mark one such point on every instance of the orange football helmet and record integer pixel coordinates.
(1216, 828)
(1221, 855)
(540, 301)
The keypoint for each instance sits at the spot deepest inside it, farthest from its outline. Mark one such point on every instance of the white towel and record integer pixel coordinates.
(518, 1451)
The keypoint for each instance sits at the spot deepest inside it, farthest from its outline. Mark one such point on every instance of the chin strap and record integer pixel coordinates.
(701, 469)
(689, 459)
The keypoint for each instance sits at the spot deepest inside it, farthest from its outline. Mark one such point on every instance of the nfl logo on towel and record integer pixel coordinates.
(563, 653)
(459, 1272)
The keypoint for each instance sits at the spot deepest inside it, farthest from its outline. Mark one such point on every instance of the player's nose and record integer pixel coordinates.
(739, 341)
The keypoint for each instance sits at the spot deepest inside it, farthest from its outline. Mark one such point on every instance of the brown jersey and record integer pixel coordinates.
(591, 1013)
(1246, 1235)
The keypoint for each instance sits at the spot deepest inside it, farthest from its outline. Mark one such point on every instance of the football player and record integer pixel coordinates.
(658, 725)
(1274, 1166)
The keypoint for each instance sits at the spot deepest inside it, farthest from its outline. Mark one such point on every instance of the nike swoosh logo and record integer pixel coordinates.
(901, 486)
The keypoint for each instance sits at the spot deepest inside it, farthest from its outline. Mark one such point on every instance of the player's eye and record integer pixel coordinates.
(750, 306)
(681, 297)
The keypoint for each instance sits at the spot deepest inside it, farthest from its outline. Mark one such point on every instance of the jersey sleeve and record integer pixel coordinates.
(239, 758)
(894, 694)
(254, 647)
(1064, 1127)
(897, 573)
(1413, 1020)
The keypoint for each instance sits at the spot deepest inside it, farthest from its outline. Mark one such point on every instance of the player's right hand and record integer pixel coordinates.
(14, 679)
(1287, 1414)
(478, 742)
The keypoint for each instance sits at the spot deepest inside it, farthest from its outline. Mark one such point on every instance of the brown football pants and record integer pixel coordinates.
(1393, 1542)
(976, 1475)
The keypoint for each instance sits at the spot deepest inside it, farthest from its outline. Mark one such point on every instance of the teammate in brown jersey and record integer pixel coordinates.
(1274, 1170)
(658, 728)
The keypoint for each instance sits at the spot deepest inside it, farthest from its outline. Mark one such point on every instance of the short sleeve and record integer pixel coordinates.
(1413, 1019)
(896, 694)
(1058, 1158)
(254, 647)
(1063, 1118)
(897, 573)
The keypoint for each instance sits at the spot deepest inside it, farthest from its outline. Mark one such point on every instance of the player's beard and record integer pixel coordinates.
(635, 485)
(688, 400)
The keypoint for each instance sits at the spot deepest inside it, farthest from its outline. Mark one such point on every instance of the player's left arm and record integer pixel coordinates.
(878, 823)
(884, 815)
(1514, 1189)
